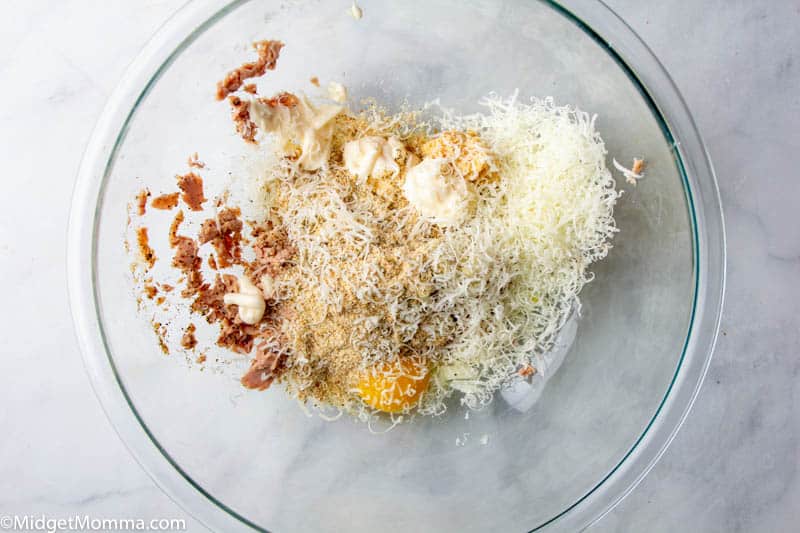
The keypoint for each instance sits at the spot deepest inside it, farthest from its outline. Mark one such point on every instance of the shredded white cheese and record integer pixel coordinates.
(524, 255)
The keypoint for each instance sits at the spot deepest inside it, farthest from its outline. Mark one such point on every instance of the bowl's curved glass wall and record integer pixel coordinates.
(258, 454)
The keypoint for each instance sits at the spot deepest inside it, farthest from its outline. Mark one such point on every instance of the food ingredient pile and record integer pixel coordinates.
(398, 262)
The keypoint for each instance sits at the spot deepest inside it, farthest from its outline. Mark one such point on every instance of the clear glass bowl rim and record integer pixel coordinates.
(703, 202)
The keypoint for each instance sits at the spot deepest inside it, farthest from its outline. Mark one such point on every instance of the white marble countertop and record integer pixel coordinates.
(733, 466)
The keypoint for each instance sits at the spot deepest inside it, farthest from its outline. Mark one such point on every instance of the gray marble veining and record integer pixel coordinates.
(734, 464)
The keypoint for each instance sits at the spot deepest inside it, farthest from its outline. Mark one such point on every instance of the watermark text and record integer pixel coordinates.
(87, 523)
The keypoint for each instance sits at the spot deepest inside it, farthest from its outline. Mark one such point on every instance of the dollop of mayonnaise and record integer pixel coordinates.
(305, 124)
(337, 92)
(441, 197)
(373, 157)
(250, 301)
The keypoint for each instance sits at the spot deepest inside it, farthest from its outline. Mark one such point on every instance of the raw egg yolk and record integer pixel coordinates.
(394, 387)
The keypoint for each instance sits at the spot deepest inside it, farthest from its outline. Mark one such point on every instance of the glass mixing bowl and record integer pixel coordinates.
(238, 460)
